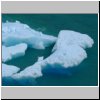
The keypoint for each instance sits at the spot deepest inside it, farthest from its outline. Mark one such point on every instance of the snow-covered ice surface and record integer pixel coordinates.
(68, 51)
(9, 70)
(69, 56)
(11, 52)
(68, 37)
(17, 32)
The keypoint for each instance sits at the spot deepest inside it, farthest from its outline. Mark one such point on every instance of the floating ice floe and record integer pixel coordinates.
(13, 51)
(66, 54)
(69, 49)
(69, 56)
(33, 71)
(9, 70)
(16, 32)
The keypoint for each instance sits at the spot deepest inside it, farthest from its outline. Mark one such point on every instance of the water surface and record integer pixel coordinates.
(86, 74)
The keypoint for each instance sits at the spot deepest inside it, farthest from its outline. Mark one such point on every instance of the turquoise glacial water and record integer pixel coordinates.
(85, 74)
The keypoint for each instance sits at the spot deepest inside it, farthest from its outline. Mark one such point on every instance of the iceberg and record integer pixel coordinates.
(17, 32)
(13, 51)
(9, 70)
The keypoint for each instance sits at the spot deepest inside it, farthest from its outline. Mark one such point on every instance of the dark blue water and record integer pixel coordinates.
(85, 74)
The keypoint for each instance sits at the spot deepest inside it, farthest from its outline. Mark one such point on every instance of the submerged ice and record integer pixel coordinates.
(17, 32)
(68, 51)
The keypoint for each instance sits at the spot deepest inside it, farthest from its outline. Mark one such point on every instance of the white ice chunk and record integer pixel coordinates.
(9, 70)
(69, 49)
(9, 53)
(5, 54)
(68, 56)
(33, 71)
(16, 32)
(40, 58)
